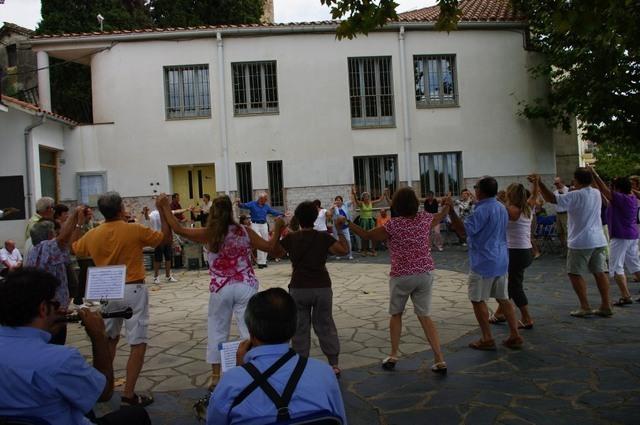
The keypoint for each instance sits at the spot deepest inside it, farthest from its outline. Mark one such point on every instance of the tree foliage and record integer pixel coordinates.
(590, 51)
(614, 160)
(186, 13)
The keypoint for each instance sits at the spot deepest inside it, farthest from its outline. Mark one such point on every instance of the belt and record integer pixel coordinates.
(134, 281)
(259, 221)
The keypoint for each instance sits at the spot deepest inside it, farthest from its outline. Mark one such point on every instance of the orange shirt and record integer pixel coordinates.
(117, 243)
(380, 221)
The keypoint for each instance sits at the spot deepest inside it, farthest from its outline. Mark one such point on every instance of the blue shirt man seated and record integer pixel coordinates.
(47, 381)
(271, 320)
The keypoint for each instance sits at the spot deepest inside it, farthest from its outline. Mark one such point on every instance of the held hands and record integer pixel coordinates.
(162, 201)
(80, 214)
(93, 323)
(340, 220)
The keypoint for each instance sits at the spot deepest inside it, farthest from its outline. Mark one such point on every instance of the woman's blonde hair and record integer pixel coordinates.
(517, 196)
(220, 218)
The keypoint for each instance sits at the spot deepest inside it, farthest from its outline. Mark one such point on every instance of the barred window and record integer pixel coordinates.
(245, 185)
(187, 91)
(440, 173)
(371, 92)
(375, 173)
(276, 186)
(435, 78)
(255, 88)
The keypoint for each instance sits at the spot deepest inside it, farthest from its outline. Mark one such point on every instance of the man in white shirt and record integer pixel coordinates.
(561, 213)
(160, 251)
(10, 257)
(586, 241)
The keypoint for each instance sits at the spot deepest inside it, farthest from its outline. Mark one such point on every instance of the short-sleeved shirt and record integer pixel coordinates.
(116, 243)
(486, 230)
(48, 256)
(308, 251)
(48, 381)
(622, 216)
(584, 224)
(409, 244)
(232, 263)
(13, 257)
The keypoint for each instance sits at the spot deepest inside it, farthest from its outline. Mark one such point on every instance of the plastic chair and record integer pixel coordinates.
(22, 420)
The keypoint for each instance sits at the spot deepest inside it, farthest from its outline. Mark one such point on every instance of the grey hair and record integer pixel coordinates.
(41, 231)
(110, 204)
(262, 195)
(43, 203)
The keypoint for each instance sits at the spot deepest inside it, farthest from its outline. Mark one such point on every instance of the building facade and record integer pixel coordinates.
(289, 109)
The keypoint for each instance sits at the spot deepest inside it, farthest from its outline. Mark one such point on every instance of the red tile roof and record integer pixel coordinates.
(472, 11)
(11, 27)
(35, 108)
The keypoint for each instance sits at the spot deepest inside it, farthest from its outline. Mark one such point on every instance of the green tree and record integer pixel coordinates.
(188, 13)
(614, 160)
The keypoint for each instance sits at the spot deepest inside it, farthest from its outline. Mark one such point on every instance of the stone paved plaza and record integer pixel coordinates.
(570, 370)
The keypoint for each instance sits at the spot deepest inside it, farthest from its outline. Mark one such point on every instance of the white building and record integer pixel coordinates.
(289, 109)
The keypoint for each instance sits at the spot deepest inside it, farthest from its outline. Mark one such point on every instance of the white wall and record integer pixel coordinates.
(312, 133)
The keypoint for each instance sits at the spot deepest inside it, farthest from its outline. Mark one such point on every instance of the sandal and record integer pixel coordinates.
(336, 370)
(493, 319)
(389, 363)
(137, 400)
(521, 325)
(514, 343)
(623, 301)
(489, 345)
(440, 367)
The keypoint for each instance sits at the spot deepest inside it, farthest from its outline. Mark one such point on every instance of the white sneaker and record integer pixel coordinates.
(171, 279)
(156, 280)
(338, 258)
(351, 257)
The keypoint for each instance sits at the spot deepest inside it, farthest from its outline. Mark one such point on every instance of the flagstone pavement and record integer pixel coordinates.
(570, 370)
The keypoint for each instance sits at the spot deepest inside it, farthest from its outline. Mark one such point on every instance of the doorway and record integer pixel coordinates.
(193, 181)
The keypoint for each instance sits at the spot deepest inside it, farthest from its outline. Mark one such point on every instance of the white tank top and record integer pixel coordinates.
(519, 233)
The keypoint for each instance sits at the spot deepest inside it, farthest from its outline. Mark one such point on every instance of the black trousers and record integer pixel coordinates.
(519, 260)
(128, 415)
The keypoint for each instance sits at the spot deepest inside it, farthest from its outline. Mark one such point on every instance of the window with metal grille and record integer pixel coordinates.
(255, 88)
(375, 173)
(371, 92)
(276, 186)
(441, 173)
(435, 78)
(245, 187)
(186, 90)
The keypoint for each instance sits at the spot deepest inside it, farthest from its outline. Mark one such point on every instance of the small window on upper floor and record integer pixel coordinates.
(255, 88)
(435, 78)
(12, 55)
(186, 91)
(371, 92)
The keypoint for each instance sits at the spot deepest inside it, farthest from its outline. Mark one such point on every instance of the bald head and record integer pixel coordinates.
(10, 245)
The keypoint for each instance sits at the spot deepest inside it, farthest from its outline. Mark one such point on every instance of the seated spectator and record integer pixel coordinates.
(47, 381)
(10, 258)
(271, 320)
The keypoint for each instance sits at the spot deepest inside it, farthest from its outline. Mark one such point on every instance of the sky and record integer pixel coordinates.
(26, 13)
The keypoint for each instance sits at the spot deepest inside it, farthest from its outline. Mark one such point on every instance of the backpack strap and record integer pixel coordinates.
(281, 402)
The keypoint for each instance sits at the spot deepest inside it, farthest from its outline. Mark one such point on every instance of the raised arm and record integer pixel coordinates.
(71, 230)
(438, 217)
(547, 195)
(456, 224)
(168, 219)
(604, 189)
(383, 197)
(377, 234)
(354, 197)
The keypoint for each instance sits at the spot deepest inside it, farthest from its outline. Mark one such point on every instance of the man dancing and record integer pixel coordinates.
(259, 210)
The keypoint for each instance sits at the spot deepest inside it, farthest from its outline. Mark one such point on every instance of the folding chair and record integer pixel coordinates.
(546, 234)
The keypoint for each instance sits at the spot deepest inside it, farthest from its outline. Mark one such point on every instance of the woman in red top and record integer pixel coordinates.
(408, 237)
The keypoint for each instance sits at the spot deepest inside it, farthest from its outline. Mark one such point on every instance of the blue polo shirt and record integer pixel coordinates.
(317, 390)
(51, 382)
(486, 230)
(259, 212)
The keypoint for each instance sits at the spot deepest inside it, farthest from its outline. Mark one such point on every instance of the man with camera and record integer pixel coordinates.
(46, 381)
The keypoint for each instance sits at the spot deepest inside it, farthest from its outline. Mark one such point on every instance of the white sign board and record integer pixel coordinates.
(106, 283)
(228, 352)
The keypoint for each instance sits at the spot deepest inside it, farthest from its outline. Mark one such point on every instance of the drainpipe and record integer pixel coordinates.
(223, 114)
(28, 157)
(405, 108)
